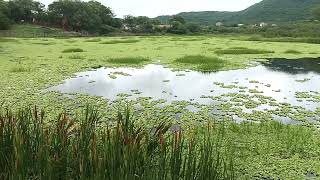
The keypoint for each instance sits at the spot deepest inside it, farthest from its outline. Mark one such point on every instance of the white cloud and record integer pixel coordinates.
(154, 8)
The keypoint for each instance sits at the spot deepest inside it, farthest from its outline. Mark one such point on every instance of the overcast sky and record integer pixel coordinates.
(153, 8)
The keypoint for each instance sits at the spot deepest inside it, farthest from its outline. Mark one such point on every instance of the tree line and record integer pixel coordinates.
(94, 18)
(91, 17)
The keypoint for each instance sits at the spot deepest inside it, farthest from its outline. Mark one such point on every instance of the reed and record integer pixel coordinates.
(82, 148)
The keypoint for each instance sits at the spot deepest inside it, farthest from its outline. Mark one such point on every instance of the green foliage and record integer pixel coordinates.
(72, 50)
(25, 10)
(128, 60)
(89, 16)
(4, 15)
(243, 51)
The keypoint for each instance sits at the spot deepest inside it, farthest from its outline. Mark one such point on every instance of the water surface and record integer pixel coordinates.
(277, 78)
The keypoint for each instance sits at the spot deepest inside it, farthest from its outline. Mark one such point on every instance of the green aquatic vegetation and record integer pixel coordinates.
(302, 80)
(128, 41)
(255, 91)
(128, 60)
(72, 50)
(112, 76)
(76, 56)
(254, 82)
(121, 73)
(243, 51)
(291, 51)
(44, 43)
(93, 40)
(308, 96)
(20, 69)
(8, 40)
(283, 39)
(203, 63)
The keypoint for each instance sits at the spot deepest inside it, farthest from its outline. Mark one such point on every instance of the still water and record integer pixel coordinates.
(277, 78)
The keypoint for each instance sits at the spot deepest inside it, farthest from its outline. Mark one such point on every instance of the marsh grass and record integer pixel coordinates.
(8, 40)
(76, 56)
(125, 41)
(93, 40)
(313, 40)
(291, 51)
(203, 63)
(242, 50)
(20, 69)
(44, 43)
(72, 50)
(188, 39)
(128, 60)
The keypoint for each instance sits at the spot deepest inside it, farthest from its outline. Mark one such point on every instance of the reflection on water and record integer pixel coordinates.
(295, 66)
(279, 78)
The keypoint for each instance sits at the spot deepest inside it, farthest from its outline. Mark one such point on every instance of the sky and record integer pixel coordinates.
(153, 8)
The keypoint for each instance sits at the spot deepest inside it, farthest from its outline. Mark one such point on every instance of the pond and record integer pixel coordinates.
(281, 79)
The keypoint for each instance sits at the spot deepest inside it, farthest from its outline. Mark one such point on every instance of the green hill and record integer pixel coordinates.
(266, 11)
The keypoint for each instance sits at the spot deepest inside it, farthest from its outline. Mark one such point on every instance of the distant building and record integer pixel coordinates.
(219, 24)
(263, 24)
(274, 25)
(240, 25)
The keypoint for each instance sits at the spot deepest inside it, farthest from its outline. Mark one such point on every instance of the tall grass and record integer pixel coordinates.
(83, 149)
(69, 149)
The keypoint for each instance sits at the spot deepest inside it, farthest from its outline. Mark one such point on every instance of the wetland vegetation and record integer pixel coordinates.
(259, 128)
(87, 95)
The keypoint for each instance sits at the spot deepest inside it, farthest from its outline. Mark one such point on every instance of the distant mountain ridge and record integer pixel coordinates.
(264, 11)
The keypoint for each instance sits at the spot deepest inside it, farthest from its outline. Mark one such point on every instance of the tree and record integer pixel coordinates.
(24, 10)
(193, 28)
(76, 15)
(177, 28)
(130, 22)
(179, 19)
(4, 19)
